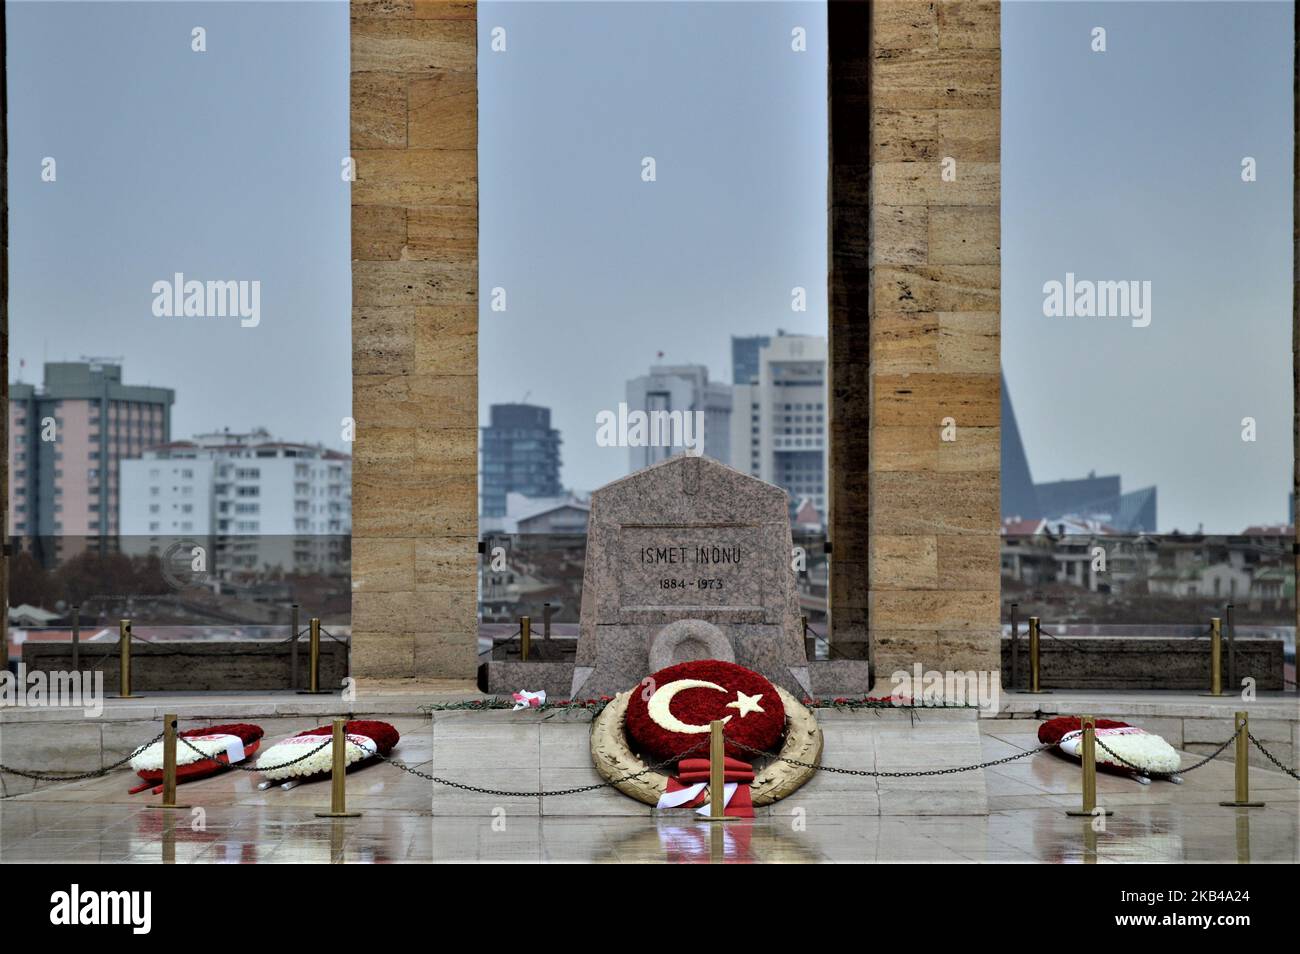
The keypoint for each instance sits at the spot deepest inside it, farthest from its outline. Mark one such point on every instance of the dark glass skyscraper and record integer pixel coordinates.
(744, 357)
(521, 454)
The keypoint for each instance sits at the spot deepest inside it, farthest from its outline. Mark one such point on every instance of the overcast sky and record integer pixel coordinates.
(225, 165)
(220, 165)
(603, 270)
(1127, 165)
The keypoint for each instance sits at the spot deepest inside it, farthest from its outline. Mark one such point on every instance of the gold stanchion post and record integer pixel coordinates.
(1035, 688)
(1089, 756)
(338, 776)
(313, 660)
(169, 763)
(1216, 658)
(1242, 765)
(717, 773)
(525, 637)
(124, 660)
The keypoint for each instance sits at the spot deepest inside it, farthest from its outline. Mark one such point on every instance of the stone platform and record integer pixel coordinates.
(97, 821)
(547, 751)
(531, 750)
(497, 749)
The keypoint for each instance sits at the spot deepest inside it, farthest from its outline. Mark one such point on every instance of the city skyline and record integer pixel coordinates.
(1127, 165)
(606, 274)
(77, 438)
(773, 427)
(222, 165)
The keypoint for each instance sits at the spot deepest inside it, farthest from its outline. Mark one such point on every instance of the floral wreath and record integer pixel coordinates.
(284, 761)
(219, 746)
(1137, 751)
(667, 715)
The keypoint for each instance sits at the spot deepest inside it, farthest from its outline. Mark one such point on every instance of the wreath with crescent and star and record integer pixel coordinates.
(669, 713)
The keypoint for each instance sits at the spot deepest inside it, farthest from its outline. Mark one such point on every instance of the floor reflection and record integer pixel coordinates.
(70, 833)
(230, 821)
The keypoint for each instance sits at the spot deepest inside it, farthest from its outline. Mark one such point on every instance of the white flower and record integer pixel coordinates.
(150, 758)
(358, 748)
(1144, 749)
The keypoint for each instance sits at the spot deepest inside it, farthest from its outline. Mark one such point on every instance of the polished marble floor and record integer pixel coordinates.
(230, 821)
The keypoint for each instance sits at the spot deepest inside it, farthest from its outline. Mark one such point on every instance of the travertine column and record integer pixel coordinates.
(414, 337)
(932, 104)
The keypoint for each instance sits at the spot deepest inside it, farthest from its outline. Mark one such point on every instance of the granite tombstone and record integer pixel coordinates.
(688, 559)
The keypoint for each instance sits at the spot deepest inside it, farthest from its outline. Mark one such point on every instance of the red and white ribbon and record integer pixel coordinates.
(689, 788)
(528, 700)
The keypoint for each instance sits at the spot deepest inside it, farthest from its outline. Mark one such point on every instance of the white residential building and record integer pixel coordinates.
(227, 485)
(683, 389)
(779, 423)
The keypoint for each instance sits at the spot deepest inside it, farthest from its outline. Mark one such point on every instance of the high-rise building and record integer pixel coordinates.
(779, 423)
(744, 357)
(292, 502)
(67, 441)
(520, 454)
(667, 395)
(1090, 500)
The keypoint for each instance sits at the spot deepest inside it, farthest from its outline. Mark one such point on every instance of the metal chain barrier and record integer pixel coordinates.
(509, 639)
(261, 650)
(97, 773)
(656, 766)
(326, 632)
(1068, 645)
(115, 652)
(1079, 649)
(870, 774)
(1182, 771)
(502, 793)
(832, 650)
(259, 767)
(1271, 757)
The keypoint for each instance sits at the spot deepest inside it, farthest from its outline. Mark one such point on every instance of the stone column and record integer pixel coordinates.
(933, 109)
(414, 118)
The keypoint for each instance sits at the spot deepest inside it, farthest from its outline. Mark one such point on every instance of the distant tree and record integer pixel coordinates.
(31, 583)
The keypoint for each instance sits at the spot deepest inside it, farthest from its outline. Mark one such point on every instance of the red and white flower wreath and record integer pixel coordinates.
(1139, 752)
(220, 746)
(284, 761)
(668, 715)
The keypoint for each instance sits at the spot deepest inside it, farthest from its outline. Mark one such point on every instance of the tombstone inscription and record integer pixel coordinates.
(688, 559)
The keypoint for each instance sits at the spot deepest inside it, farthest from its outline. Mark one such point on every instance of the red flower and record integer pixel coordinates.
(246, 731)
(699, 705)
(1051, 731)
(383, 734)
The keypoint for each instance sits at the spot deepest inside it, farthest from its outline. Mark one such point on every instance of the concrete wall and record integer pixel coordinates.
(178, 666)
(1142, 662)
(414, 338)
